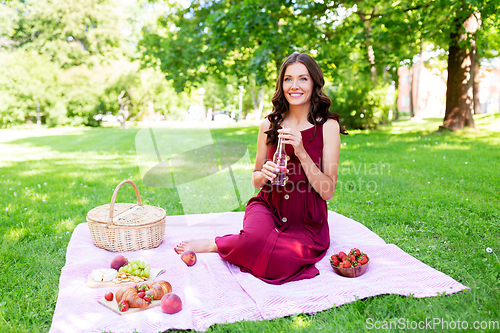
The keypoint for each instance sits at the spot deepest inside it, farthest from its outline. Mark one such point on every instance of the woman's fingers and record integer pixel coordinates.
(294, 138)
(269, 170)
(290, 136)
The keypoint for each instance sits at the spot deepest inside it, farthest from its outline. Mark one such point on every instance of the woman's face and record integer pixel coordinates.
(297, 84)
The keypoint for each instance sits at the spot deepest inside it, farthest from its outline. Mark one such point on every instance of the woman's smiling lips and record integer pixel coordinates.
(296, 94)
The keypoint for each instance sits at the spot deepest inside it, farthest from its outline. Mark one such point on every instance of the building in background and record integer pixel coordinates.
(429, 90)
(489, 90)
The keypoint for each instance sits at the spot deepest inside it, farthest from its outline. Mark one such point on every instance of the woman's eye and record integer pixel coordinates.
(303, 79)
(287, 79)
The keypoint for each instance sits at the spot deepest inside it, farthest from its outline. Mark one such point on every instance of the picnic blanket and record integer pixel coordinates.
(215, 291)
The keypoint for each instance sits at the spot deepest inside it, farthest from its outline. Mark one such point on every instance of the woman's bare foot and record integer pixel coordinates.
(197, 245)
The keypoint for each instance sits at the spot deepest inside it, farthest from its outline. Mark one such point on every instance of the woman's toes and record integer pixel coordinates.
(178, 249)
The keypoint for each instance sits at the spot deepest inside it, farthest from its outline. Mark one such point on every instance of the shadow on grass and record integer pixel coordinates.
(122, 141)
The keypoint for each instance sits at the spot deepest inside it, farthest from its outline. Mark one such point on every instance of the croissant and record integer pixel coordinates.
(130, 294)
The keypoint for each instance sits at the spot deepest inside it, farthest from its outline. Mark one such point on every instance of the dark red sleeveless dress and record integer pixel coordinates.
(285, 229)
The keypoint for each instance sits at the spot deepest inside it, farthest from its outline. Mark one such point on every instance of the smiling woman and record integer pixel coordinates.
(285, 228)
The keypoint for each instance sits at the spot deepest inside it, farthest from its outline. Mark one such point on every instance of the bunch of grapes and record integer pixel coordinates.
(137, 268)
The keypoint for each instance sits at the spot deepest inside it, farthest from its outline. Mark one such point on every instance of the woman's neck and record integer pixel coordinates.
(297, 115)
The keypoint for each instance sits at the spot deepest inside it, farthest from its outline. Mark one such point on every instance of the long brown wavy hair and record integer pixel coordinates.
(320, 102)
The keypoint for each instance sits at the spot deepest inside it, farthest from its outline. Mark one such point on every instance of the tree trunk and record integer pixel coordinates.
(255, 101)
(258, 101)
(420, 66)
(412, 107)
(370, 54)
(459, 99)
(261, 96)
(475, 79)
(396, 112)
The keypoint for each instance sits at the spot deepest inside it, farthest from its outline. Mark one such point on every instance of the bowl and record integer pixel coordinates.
(351, 271)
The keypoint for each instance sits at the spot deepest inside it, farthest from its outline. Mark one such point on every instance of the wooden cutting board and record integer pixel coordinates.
(155, 272)
(112, 305)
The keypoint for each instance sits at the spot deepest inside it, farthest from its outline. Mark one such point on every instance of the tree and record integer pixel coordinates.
(453, 25)
(459, 98)
(67, 57)
(246, 40)
(364, 39)
(27, 79)
(487, 44)
(230, 41)
(70, 32)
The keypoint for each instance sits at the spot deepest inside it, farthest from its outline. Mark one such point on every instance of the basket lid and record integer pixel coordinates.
(127, 214)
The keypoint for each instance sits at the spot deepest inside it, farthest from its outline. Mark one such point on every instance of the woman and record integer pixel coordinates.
(285, 228)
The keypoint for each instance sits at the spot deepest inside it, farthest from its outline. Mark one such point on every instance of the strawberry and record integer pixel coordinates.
(364, 260)
(108, 296)
(123, 305)
(147, 299)
(356, 252)
(347, 263)
(342, 256)
(341, 265)
(335, 260)
(141, 294)
(353, 258)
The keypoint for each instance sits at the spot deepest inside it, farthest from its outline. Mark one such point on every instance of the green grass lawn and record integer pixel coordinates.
(435, 195)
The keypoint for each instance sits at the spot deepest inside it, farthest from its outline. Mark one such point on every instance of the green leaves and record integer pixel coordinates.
(69, 32)
(223, 39)
(26, 78)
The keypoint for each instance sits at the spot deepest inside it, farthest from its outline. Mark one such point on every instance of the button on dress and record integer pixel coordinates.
(285, 228)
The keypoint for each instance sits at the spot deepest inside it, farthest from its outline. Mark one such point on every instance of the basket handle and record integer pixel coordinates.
(115, 193)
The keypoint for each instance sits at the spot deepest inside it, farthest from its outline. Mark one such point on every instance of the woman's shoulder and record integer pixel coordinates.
(265, 124)
(331, 126)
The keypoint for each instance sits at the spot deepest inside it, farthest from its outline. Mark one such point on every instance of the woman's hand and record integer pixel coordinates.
(269, 170)
(293, 137)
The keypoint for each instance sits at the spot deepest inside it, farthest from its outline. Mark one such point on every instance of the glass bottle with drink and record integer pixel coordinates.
(280, 158)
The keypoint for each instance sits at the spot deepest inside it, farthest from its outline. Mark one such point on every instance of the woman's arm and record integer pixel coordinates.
(264, 170)
(323, 182)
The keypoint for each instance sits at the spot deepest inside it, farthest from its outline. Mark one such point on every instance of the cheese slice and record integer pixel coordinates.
(104, 274)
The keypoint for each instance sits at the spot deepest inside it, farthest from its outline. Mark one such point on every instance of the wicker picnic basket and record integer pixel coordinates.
(121, 227)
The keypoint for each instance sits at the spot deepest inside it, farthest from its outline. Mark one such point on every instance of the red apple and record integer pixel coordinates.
(171, 303)
(118, 262)
(189, 257)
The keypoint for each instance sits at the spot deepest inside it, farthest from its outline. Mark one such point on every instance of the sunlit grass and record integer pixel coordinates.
(435, 195)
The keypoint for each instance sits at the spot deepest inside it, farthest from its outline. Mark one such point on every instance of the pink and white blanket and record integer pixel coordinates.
(214, 291)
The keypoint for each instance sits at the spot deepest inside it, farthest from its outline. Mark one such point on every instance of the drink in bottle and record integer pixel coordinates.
(280, 159)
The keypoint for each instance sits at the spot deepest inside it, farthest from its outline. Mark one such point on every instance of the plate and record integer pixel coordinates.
(112, 305)
(91, 283)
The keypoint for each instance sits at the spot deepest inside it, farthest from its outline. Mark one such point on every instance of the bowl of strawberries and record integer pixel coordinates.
(352, 264)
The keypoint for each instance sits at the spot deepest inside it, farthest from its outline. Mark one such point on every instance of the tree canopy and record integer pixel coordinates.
(63, 56)
(72, 59)
(359, 44)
